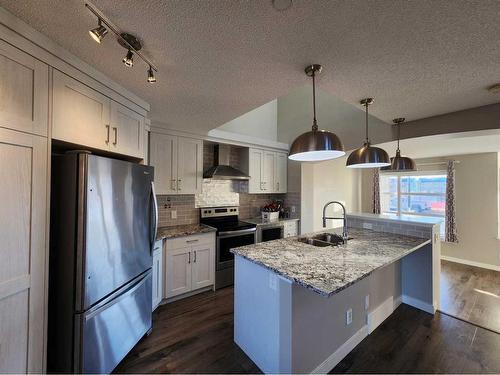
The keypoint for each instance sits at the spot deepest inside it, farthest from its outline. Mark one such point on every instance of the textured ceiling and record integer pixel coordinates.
(221, 58)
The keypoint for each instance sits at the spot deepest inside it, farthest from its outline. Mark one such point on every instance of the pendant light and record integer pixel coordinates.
(316, 145)
(401, 163)
(368, 156)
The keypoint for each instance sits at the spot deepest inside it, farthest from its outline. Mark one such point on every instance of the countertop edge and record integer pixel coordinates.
(203, 229)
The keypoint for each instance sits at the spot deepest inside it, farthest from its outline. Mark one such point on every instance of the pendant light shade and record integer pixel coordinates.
(316, 145)
(400, 163)
(368, 156)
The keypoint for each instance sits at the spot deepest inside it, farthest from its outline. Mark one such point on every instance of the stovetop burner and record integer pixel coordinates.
(224, 219)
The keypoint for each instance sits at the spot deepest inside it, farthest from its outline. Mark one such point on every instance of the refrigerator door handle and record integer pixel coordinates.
(155, 217)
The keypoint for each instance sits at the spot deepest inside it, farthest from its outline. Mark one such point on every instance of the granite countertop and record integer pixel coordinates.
(183, 230)
(259, 221)
(328, 270)
(421, 220)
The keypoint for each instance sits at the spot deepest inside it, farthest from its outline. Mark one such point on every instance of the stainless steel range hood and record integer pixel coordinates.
(221, 169)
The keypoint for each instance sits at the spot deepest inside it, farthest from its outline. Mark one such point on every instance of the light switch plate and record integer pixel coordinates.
(367, 302)
(173, 214)
(273, 281)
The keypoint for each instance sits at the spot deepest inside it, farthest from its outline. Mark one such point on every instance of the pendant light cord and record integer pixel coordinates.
(315, 123)
(366, 122)
(399, 135)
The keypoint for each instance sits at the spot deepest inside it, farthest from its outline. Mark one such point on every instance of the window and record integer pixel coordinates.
(414, 194)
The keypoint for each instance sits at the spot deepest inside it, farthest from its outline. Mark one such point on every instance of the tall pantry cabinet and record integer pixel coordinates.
(23, 209)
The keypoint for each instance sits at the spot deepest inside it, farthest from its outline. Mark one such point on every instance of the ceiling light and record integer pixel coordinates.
(128, 60)
(368, 156)
(151, 75)
(316, 145)
(99, 32)
(400, 163)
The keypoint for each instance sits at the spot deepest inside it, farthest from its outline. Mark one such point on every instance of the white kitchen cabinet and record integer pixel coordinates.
(255, 163)
(178, 271)
(127, 130)
(23, 90)
(203, 266)
(281, 172)
(189, 264)
(85, 117)
(23, 254)
(157, 276)
(267, 171)
(178, 163)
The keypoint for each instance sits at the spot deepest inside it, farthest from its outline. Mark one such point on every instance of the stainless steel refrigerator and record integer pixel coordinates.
(103, 227)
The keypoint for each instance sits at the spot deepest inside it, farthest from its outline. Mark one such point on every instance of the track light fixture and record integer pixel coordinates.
(151, 75)
(99, 32)
(128, 60)
(128, 41)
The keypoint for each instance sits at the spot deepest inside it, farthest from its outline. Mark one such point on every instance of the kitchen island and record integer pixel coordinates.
(301, 308)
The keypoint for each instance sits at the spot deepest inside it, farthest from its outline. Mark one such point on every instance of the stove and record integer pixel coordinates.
(231, 233)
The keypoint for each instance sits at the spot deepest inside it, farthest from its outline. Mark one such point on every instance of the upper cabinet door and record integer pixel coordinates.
(23, 91)
(163, 157)
(127, 131)
(281, 172)
(80, 114)
(190, 165)
(255, 171)
(268, 168)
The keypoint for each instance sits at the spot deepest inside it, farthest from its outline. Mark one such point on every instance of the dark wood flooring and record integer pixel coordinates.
(471, 293)
(195, 335)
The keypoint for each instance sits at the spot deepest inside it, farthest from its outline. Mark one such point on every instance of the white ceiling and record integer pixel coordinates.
(219, 59)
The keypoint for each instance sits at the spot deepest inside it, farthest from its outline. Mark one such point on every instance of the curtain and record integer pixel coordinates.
(450, 220)
(376, 192)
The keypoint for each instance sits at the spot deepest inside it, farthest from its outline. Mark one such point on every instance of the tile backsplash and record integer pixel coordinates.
(184, 207)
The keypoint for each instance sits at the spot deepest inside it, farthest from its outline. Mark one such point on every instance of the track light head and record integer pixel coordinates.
(128, 60)
(151, 75)
(99, 32)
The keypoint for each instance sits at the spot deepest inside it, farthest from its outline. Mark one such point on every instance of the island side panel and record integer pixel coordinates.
(321, 337)
(262, 316)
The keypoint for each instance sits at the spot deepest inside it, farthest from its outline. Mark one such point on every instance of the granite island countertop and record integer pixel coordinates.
(183, 230)
(329, 270)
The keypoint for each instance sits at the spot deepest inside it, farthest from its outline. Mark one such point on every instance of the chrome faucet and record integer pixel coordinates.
(343, 218)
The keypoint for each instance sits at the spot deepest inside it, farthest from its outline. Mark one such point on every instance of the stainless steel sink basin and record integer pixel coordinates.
(324, 239)
(314, 242)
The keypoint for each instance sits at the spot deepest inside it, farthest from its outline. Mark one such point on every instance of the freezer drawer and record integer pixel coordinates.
(110, 331)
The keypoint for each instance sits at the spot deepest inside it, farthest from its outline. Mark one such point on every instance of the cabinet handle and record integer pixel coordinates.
(107, 131)
(191, 241)
(116, 136)
(172, 185)
(179, 185)
(189, 259)
(195, 256)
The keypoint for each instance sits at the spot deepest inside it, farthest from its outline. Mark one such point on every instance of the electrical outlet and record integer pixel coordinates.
(293, 209)
(348, 317)
(367, 226)
(173, 214)
(367, 301)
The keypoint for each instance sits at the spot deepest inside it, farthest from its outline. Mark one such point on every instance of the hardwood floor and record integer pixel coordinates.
(471, 293)
(195, 335)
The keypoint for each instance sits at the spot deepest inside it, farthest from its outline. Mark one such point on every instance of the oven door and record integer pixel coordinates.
(229, 240)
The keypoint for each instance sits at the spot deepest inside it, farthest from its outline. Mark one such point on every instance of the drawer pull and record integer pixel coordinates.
(191, 241)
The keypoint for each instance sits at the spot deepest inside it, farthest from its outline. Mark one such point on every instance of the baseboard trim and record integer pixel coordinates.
(381, 313)
(421, 305)
(332, 361)
(185, 295)
(471, 263)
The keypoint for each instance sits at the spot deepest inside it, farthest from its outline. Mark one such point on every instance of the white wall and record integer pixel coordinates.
(323, 182)
(262, 122)
(477, 206)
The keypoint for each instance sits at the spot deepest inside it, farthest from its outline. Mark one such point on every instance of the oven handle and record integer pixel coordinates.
(235, 232)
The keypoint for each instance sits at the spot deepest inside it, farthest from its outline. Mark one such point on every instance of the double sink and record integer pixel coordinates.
(324, 239)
